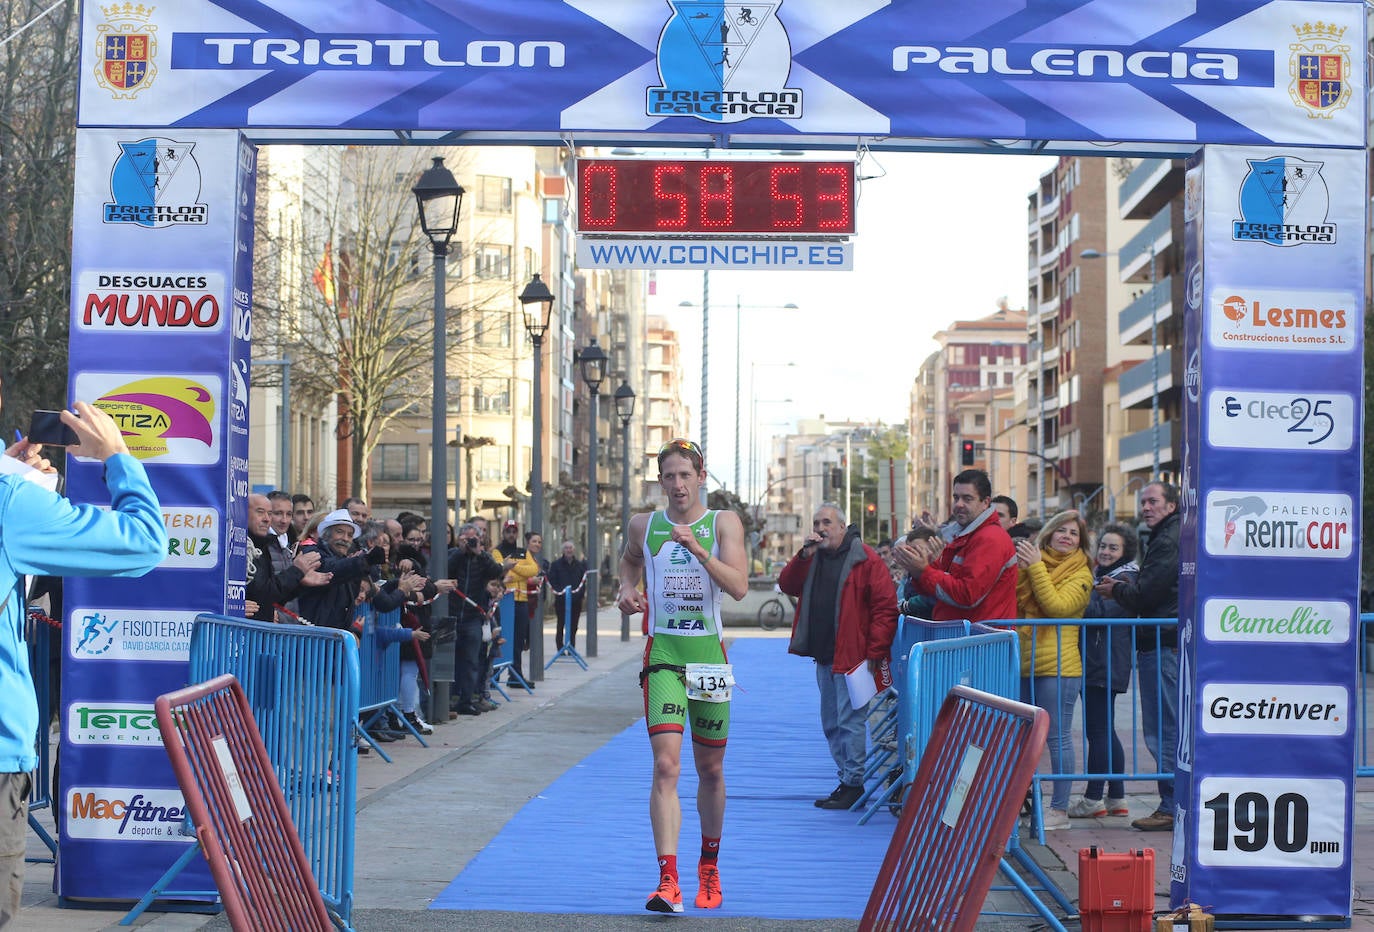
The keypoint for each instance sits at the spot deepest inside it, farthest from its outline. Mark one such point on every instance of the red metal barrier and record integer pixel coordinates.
(959, 812)
(240, 815)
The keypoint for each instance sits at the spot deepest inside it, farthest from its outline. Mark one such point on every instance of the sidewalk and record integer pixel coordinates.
(422, 818)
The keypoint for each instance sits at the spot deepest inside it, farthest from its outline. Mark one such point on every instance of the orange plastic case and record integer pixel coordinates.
(1116, 892)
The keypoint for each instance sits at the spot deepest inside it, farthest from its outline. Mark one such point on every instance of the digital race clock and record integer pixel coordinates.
(711, 197)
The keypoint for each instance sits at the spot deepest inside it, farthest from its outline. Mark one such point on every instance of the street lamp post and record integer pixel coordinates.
(625, 410)
(593, 361)
(439, 198)
(536, 301)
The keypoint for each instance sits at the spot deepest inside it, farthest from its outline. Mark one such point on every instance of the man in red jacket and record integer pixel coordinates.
(973, 576)
(847, 617)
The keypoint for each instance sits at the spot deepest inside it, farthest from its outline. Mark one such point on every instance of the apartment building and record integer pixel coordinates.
(976, 359)
(1080, 380)
(1150, 261)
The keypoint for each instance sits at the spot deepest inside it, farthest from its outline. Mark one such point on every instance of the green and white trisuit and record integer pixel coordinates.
(684, 627)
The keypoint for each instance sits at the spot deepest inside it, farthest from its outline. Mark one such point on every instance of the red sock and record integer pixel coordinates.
(667, 866)
(710, 849)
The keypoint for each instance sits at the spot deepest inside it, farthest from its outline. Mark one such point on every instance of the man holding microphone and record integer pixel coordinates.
(847, 617)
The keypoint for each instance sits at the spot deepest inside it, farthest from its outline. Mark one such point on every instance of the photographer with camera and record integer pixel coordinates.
(331, 606)
(471, 571)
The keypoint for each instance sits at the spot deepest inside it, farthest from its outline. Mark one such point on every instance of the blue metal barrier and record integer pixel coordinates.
(302, 684)
(36, 633)
(567, 651)
(884, 717)
(1364, 767)
(505, 662)
(941, 655)
(379, 671)
(1135, 769)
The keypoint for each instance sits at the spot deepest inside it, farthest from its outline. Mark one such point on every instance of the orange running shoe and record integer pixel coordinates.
(666, 899)
(708, 890)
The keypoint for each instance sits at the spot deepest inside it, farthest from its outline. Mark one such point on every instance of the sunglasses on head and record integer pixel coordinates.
(681, 446)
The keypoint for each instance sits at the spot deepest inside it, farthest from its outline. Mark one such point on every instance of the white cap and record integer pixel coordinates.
(337, 517)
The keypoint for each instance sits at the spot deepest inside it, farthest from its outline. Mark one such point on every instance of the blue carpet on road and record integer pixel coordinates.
(584, 845)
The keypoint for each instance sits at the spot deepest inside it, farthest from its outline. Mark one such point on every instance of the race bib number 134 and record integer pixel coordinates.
(710, 682)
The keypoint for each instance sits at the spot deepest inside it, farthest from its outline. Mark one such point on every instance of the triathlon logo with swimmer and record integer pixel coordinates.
(723, 63)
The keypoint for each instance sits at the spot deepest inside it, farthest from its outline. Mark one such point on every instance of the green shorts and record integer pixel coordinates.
(666, 706)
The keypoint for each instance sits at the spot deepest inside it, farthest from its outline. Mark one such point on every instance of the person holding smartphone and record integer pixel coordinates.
(45, 534)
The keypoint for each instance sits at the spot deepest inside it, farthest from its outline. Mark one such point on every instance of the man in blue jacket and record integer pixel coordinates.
(46, 534)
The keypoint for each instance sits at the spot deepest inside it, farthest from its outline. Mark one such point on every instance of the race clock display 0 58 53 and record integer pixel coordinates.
(713, 197)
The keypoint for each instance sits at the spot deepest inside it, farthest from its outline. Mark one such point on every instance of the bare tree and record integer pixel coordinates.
(37, 141)
(357, 316)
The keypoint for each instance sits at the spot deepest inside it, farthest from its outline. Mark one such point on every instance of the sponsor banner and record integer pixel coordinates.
(174, 419)
(756, 255)
(129, 634)
(123, 813)
(1275, 709)
(1274, 294)
(1298, 421)
(1282, 822)
(179, 395)
(1304, 320)
(150, 302)
(193, 537)
(1276, 621)
(123, 724)
(1260, 72)
(1246, 523)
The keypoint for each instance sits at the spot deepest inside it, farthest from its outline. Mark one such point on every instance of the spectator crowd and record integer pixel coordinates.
(984, 566)
(337, 568)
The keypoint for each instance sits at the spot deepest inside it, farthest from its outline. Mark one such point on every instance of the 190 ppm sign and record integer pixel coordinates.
(1271, 822)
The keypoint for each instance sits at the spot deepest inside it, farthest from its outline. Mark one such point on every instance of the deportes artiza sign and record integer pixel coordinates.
(1272, 91)
(1239, 71)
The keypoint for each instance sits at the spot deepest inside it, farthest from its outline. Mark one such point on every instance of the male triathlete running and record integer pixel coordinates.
(688, 556)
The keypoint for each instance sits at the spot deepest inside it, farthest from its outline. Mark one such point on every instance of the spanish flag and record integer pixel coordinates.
(324, 277)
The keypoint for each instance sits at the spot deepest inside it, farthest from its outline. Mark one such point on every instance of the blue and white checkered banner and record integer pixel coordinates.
(1252, 72)
(1270, 548)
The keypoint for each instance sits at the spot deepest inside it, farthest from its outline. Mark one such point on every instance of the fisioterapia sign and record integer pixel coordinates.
(1239, 71)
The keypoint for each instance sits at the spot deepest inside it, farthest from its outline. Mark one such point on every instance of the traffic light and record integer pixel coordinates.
(871, 508)
(966, 453)
(836, 478)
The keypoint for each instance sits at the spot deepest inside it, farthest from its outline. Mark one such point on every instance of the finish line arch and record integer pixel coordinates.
(1266, 97)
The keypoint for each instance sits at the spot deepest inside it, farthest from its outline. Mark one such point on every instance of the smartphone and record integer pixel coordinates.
(46, 427)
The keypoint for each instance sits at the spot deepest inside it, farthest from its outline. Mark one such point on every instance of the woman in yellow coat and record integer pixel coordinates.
(1054, 580)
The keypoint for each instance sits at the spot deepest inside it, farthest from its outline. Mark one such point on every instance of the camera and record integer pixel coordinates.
(46, 427)
(470, 543)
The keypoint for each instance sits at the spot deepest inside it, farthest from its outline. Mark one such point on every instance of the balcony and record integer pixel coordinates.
(1148, 188)
(1136, 451)
(1049, 206)
(1049, 307)
(1135, 384)
(1134, 321)
(1152, 240)
(1050, 256)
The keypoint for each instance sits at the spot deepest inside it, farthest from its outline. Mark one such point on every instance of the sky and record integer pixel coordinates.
(941, 238)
